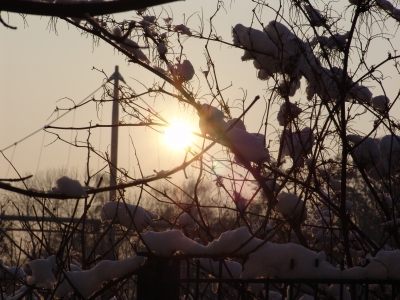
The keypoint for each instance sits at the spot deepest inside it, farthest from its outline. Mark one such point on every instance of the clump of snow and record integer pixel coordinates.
(19, 294)
(297, 145)
(168, 21)
(316, 18)
(391, 261)
(287, 261)
(390, 153)
(87, 282)
(259, 42)
(290, 205)
(276, 50)
(287, 87)
(65, 288)
(238, 123)
(183, 71)
(117, 31)
(210, 118)
(182, 29)
(198, 240)
(231, 241)
(150, 19)
(70, 187)
(272, 51)
(133, 47)
(186, 70)
(131, 216)
(290, 49)
(360, 93)
(186, 220)
(6, 272)
(272, 260)
(366, 151)
(381, 103)
(42, 274)
(161, 48)
(248, 145)
(336, 41)
(168, 242)
(288, 112)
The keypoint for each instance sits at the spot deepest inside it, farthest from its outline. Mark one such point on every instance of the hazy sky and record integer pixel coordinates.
(40, 66)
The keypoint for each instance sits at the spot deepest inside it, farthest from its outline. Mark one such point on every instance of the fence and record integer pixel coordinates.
(193, 283)
(183, 277)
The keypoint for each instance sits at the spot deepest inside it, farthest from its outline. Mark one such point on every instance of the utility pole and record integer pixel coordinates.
(114, 133)
(114, 149)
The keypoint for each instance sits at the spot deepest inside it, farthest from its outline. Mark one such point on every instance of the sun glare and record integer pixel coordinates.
(177, 135)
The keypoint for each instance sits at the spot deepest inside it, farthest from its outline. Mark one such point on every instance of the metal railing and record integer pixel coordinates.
(195, 283)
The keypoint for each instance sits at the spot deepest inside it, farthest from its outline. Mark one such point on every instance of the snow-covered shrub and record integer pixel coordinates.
(296, 178)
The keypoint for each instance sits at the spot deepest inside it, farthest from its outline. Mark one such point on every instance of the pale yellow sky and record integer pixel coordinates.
(39, 67)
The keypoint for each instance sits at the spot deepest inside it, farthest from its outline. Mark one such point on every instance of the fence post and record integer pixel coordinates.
(159, 280)
(219, 281)
(188, 277)
(316, 286)
(393, 291)
(243, 290)
(197, 278)
(266, 290)
(341, 284)
(291, 291)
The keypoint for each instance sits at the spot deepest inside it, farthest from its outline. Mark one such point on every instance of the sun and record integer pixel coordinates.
(177, 135)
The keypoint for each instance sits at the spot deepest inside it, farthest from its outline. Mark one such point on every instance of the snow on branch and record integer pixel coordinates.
(130, 216)
(290, 205)
(288, 112)
(297, 145)
(276, 50)
(70, 187)
(379, 157)
(42, 274)
(10, 272)
(270, 260)
(87, 282)
(232, 134)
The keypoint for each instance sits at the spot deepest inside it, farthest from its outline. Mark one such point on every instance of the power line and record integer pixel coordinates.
(56, 119)
(40, 153)
(12, 157)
